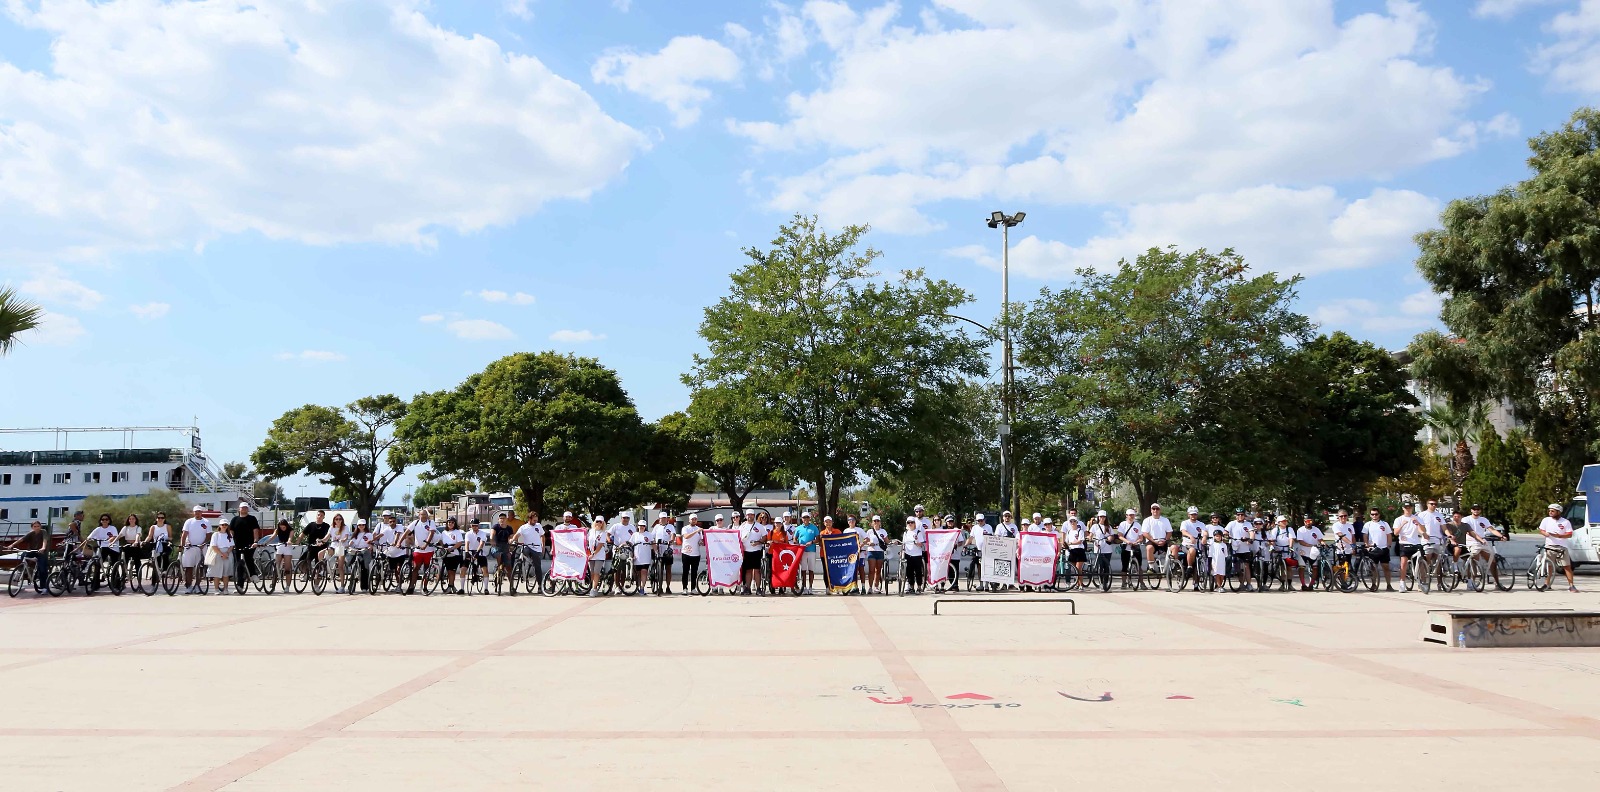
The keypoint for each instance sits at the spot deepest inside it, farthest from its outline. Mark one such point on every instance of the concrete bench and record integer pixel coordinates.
(1476, 629)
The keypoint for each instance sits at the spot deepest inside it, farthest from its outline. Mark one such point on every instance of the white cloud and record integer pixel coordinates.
(674, 76)
(576, 336)
(1572, 63)
(1413, 312)
(622, 5)
(150, 310)
(55, 330)
(166, 124)
(1098, 102)
(49, 284)
(312, 356)
(479, 330)
(1275, 228)
(430, 318)
(497, 296)
(521, 9)
(1505, 9)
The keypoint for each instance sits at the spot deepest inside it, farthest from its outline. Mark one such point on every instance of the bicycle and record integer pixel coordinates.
(1542, 569)
(1447, 571)
(25, 574)
(1504, 577)
(1420, 574)
(1338, 569)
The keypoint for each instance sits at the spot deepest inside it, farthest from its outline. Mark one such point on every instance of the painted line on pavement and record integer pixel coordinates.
(965, 763)
(242, 766)
(515, 735)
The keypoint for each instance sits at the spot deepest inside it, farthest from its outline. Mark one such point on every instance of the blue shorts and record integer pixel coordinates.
(874, 555)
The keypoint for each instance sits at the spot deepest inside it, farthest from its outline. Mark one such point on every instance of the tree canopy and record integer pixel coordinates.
(354, 447)
(1520, 275)
(1139, 365)
(833, 360)
(541, 422)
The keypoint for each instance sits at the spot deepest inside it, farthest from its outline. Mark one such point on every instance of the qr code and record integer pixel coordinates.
(1002, 567)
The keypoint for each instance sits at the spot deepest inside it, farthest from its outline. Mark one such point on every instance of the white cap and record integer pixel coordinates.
(977, 517)
(1037, 516)
(1194, 510)
(1048, 521)
(1155, 505)
(788, 514)
(223, 521)
(911, 520)
(1100, 513)
(749, 512)
(197, 508)
(918, 507)
(1555, 506)
(1131, 511)
(1026, 521)
(360, 522)
(565, 515)
(720, 518)
(1282, 518)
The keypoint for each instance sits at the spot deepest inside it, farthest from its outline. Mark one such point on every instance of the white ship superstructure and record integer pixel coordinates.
(47, 485)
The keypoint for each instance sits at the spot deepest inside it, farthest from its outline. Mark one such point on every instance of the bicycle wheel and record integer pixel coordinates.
(1505, 578)
(1540, 572)
(1177, 580)
(1448, 574)
(317, 576)
(298, 575)
(19, 579)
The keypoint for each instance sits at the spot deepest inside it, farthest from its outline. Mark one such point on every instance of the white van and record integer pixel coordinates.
(1584, 514)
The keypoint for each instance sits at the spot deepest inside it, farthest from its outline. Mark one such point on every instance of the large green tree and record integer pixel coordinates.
(1520, 275)
(1494, 480)
(953, 463)
(1343, 421)
(354, 447)
(836, 360)
(146, 506)
(538, 422)
(17, 316)
(1135, 364)
(721, 438)
(1545, 484)
(431, 492)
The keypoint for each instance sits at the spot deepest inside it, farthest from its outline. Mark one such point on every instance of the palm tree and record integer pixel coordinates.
(1458, 427)
(17, 316)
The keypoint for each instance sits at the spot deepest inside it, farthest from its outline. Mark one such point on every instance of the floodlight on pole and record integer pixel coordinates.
(1008, 490)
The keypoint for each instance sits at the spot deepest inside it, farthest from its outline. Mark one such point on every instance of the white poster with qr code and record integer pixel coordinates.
(999, 560)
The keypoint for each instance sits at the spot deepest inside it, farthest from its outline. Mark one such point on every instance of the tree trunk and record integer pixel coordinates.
(533, 493)
(833, 495)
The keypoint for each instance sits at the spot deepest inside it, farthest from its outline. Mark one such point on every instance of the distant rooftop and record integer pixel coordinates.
(114, 456)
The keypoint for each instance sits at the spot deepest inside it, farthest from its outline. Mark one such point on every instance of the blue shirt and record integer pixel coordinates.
(806, 534)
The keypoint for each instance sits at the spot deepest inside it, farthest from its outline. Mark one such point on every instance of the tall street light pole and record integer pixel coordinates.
(1009, 496)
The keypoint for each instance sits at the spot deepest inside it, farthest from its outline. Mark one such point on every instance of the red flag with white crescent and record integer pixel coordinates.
(785, 564)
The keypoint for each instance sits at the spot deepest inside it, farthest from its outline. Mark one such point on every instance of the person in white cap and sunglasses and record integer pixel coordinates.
(1129, 537)
(1557, 531)
(1156, 529)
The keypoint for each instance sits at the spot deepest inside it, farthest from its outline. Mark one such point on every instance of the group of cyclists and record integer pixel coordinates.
(1252, 551)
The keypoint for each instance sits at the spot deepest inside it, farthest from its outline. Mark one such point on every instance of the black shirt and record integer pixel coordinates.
(245, 529)
(502, 533)
(314, 532)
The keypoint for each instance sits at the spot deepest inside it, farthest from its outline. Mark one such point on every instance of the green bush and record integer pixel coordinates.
(146, 506)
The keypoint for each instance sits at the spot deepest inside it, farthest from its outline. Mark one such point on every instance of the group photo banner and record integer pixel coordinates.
(724, 557)
(569, 553)
(1036, 558)
(786, 565)
(941, 546)
(839, 557)
(999, 560)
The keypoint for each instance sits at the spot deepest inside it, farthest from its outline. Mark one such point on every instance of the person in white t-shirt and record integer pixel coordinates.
(664, 535)
(107, 540)
(1344, 532)
(1156, 529)
(1378, 536)
(475, 553)
(452, 542)
(1411, 536)
(219, 556)
(599, 553)
(1433, 523)
(1308, 545)
(1006, 526)
(131, 537)
(1557, 532)
(1190, 532)
(638, 547)
(752, 542)
(1128, 540)
(692, 542)
(1240, 536)
(195, 535)
(528, 542)
(914, 541)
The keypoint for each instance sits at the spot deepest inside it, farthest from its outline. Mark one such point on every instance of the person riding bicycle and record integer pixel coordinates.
(599, 553)
(1557, 532)
(422, 536)
(1128, 540)
(35, 544)
(338, 543)
(1456, 534)
(1411, 534)
(1378, 536)
(503, 531)
(246, 532)
(1156, 529)
(691, 544)
(1190, 534)
(619, 533)
(131, 538)
(1308, 545)
(453, 543)
(390, 540)
(107, 541)
(1476, 537)
(1241, 538)
(529, 541)
(357, 553)
(1075, 537)
(664, 535)
(315, 536)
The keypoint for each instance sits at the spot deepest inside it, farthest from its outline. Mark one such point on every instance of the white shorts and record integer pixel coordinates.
(338, 550)
(812, 562)
(1311, 554)
(192, 556)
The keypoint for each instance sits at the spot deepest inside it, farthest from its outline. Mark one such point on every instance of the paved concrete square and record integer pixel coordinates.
(300, 692)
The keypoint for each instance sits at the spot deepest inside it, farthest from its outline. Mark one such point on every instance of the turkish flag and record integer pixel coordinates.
(785, 564)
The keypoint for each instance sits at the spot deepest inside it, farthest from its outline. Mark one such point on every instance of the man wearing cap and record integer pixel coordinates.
(1191, 531)
(1156, 529)
(1377, 533)
(1006, 528)
(1410, 534)
(1557, 531)
(599, 553)
(923, 521)
(914, 540)
(245, 530)
(1308, 544)
(1128, 539)
(691, 543)
(752, 539)
(196, 534)
(805, 534)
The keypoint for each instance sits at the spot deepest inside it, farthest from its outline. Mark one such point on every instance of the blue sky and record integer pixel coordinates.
(231, 209)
